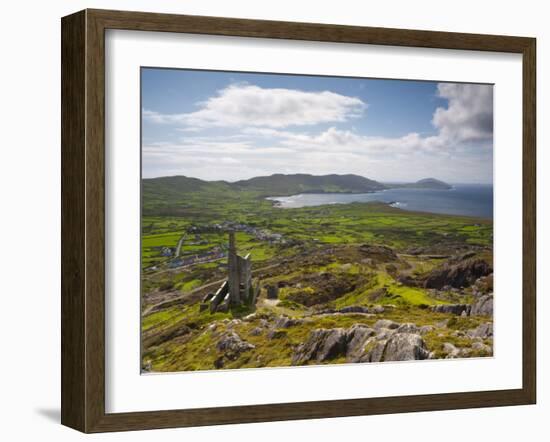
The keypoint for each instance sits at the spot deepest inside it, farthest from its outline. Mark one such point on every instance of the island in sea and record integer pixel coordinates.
(234, 278)
(425, 183)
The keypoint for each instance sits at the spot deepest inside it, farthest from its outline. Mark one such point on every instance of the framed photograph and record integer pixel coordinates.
(267, 220)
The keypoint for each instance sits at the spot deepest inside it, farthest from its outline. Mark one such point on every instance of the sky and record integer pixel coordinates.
(217, 125)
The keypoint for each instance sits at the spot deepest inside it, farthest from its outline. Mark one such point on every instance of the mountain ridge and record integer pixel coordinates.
(174, 194)
(283, 184)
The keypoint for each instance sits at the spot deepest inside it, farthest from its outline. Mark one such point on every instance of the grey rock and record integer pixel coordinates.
(483, 286)
(354, 309)
(232, 345)
(426, 329)
(385, 323)
(256, 331)
(384, 334)
(250, 317)
(483, 306)
(375, 353)
(455, 309)
(356, 338)
(405, 347)
(408, 328)
(399, 347)
(359, 344)
(212, 327)
(286, 322)
(321, 345)
(451, 350)
(457, 275)
(480, 346)
(233, 323)
(482, 331)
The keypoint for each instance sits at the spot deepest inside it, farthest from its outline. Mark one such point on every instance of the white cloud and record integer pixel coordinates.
(248, 105)
(467, 120)
(460, 150)
(339, 141)
(469, 114)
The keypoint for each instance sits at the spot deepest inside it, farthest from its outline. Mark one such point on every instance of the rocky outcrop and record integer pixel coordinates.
(321, 345)
(361, 343)
(231, 345)
(455, 309)
(450, 350)
(354, 309)
(426, 329)
(406, 279)
(378, 309)
(325, 287)
(408, 328)
(356, 339)
(399, 347)
(483, 306)
(405, 347)
(385, 323)
(378, 253)
(286, 322)
(482, 348)
(256, 331)
(461, 274)
(482, 331)
(351, 309)
(483, 286)
(277, 330)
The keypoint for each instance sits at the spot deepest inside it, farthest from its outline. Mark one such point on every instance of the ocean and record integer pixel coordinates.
(463, 199)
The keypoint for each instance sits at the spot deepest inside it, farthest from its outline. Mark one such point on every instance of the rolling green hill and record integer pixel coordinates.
(172, 193)
(177, 195)
(280, 184)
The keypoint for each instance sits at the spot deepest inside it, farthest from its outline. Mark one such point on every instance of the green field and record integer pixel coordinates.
(321, 258)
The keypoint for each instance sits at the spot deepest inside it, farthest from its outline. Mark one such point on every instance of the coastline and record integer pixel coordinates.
(419, 203)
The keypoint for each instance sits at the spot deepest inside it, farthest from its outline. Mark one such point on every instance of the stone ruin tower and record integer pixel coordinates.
(238, 288)
(239, 274)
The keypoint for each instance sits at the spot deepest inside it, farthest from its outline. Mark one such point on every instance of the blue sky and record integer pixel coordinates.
(227, 125)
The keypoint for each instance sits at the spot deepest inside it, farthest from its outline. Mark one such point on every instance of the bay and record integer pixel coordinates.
(463, 199)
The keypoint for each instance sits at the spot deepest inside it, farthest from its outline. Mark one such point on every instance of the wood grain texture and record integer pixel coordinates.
(73, 253)
(529, 220)
(83, 220)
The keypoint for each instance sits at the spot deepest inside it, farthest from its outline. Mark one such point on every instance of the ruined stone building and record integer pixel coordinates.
(238, 288)
(239, 274)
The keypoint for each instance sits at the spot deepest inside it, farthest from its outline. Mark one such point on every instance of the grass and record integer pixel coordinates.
(164, 318)
(397, 294)
(317, 240)
(199, 353)
(190, 285)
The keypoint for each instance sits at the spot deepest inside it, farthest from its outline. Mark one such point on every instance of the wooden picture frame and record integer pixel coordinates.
(83, 220)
